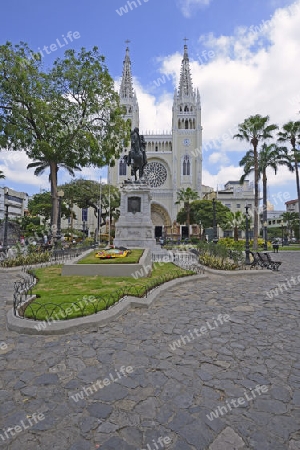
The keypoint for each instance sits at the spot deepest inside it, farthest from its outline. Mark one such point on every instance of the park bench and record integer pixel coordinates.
(273, 265)
(256, 261)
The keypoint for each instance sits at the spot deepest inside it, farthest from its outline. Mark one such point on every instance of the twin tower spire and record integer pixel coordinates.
(185, 84)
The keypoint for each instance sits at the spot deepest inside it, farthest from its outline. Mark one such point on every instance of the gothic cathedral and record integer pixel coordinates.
(174, 160)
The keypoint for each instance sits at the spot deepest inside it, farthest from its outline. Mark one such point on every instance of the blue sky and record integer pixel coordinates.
(253, 67)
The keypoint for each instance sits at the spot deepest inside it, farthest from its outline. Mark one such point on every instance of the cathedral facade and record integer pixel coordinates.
(171, 162)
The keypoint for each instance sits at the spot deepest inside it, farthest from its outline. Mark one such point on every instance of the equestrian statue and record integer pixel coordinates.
(137, 157)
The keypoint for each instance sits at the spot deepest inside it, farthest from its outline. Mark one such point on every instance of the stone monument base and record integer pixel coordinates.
(135, 228)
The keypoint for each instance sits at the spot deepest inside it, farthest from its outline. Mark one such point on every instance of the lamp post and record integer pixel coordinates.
(5, 219)
(60, 195)
(247, 250)
(215, 236)
(200, 228)
(282, 235)
(84, 230)
(265, 235)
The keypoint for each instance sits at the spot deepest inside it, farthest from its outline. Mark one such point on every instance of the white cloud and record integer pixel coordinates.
(188, 6)
(254, 71)
(14, 166)
(218, 157)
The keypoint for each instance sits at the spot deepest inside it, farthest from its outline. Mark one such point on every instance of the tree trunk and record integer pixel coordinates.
(53, 181)
(256, 200)
(265, 211)
(298, 186)
(236, 233)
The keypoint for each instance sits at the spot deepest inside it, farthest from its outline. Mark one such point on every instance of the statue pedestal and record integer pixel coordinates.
(134, 227)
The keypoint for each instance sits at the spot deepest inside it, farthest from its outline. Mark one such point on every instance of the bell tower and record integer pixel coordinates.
(187, 131)
(128, 99)
(127, 93)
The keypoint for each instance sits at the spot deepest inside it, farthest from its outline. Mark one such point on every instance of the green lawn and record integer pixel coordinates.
(289, 247)
(132, 258)
(69, 297)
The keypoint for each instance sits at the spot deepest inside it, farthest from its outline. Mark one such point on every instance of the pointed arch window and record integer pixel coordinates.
(186, 165)
(122, 167)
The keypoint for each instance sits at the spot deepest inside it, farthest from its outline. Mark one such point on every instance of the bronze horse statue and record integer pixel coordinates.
(137, 158)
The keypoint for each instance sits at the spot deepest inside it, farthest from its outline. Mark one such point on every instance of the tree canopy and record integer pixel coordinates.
(69, 115)
(202, 210)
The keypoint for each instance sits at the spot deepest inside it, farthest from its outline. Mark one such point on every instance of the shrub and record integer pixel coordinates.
(216, 262)
(26, 260)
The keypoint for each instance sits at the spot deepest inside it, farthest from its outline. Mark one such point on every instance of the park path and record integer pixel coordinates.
(173, 376)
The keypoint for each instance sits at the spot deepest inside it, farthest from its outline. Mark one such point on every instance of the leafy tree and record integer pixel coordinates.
(86, 194)
(41, 166)
(70, 115)
(202, 211)
(41, 205)
(235, 221)
(291, 134)
(185, 196)
(255, 129)
(269, 156)
(292, 220)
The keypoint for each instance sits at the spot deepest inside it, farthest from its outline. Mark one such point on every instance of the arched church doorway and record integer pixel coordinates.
(160, 219)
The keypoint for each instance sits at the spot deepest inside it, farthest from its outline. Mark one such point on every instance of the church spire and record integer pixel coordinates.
(126, 89)
(185, 83)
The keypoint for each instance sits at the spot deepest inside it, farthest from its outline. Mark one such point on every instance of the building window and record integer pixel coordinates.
(228, 205)
(122, 167)
(84, 214)
(238, 205)
(186, 166)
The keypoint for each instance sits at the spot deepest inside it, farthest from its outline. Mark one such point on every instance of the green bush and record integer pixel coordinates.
(216, 262)
(232, 244)
(22, 260)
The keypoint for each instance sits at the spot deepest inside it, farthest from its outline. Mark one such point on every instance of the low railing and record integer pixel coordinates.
(23, 288)
(185, 260)
(50, 311)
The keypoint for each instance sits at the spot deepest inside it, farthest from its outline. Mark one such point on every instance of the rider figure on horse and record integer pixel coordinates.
(137, 157)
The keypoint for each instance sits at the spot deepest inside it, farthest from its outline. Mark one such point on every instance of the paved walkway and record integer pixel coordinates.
(212, 365)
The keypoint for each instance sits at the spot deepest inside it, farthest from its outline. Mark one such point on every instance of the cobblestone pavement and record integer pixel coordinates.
(137, 390)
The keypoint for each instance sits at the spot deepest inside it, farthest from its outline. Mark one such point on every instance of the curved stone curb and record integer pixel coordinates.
(239, 272)
(26, 326)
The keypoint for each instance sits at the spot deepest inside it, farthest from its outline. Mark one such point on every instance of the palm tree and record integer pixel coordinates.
(44, 164)
(2, 176)
(253, 130)
(269, 156)
(235, 221)
(291, 133)
(186, 196)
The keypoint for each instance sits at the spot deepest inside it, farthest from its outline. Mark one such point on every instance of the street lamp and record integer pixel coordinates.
(215, 236)
(60, 195)
(5, 219)
(282, 235)
(247, 250)
(265, 235)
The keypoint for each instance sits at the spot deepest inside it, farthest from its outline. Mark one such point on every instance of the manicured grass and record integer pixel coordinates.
(132, 258)
(289, 248)
(92, 294)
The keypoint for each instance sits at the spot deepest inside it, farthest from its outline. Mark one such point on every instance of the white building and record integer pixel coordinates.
(236, 197)
(292, 206)
(17, 202)
(174, 159)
